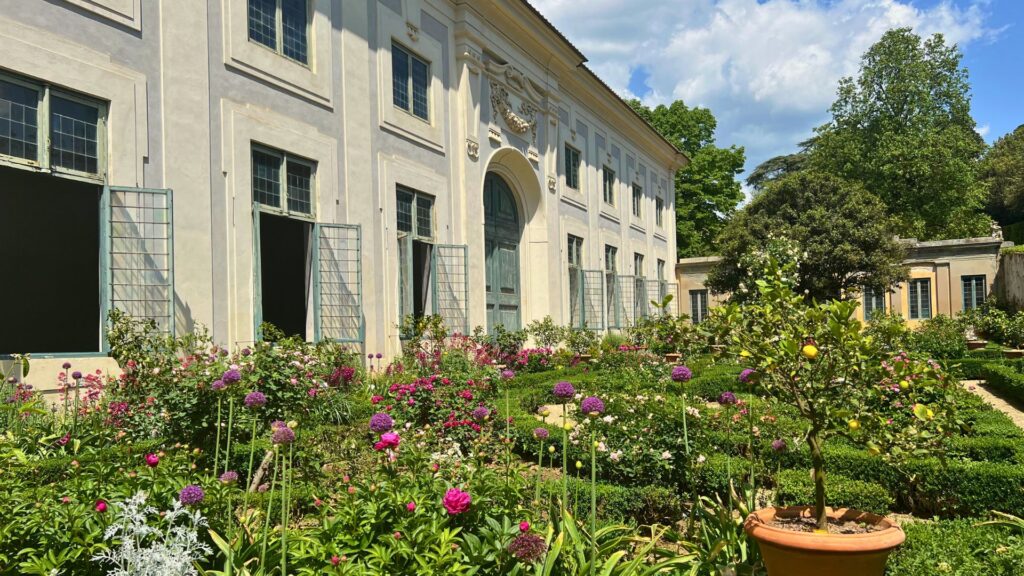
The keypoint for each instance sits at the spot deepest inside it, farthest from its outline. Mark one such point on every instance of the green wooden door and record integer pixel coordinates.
(501, 246)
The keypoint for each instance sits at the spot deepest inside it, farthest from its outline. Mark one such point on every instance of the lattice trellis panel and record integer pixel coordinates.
(654, 294)
(627, 301)
(141, 254)
(451, 286)
(593, 299)
(613, 302)
(671, 288)
(339, 294)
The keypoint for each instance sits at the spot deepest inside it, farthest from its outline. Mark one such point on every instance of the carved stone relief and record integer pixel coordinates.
(521, 120)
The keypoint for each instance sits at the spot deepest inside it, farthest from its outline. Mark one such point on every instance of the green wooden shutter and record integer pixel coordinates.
(139, 260)
(337, 273)
(451, 286)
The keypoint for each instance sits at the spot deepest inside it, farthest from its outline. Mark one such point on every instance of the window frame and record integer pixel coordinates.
(44, 140)
(975, 302)
(869, 301)
(414, 214)
(608, 185)
(659, 208)
(636, 209)
(574, 183)
(411, 55)
(911, 300)
(278, 47)
(284, 158)
(661, 270)
(702, 303)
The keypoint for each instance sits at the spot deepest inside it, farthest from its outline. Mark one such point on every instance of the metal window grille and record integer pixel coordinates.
(339, 295)
(593, 297)
(627, 300)
(19, 117)
(141, 254)
(451, 286)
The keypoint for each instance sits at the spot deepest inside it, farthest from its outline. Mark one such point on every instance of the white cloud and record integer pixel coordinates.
(767, 70)
(983, 130)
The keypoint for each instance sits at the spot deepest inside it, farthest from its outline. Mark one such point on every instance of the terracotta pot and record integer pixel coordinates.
(976, 344)
(791, 553)
(672, 357)
(1013, 353)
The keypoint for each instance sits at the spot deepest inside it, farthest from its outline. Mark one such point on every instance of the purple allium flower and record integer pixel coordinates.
(779, 445)
(592, 405)
(564, 390)
(191, 494)
(507, 374)
(540, 433)
(255, 399)
(218, 385)
(67, 365)
(76, 375)
(528, 548)
(370, 355)
(231, 376)
(246, 351)
(727, 399)
(681, 374)
(282, 435)
(379, 355)
(381, 422)
(481, 413)
(745, 375)
(229, 477)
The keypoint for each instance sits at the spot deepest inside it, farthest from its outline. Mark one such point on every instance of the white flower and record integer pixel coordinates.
(700, 459)
(666, 455)
(614, 456)
(602, 447)
(693, 411)
(608, 419)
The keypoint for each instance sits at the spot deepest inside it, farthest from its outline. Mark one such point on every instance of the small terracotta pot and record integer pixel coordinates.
(673, 357)
(791, 553)
(1013, 353)
(976, 344)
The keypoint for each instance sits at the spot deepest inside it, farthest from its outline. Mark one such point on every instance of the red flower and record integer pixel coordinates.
(101, 506)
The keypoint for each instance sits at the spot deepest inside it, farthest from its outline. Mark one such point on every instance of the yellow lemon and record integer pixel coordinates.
(904, 385)
(810, 351)
(854, 424)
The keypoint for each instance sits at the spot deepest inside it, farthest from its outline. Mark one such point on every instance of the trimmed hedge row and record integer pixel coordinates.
(957, 547)
(796, 488)
(1006, 380)
(642, 505)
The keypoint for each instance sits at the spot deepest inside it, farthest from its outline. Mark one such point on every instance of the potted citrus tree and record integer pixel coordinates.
(816, 358)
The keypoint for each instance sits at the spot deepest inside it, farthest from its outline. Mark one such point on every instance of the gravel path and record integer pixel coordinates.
(978, 387)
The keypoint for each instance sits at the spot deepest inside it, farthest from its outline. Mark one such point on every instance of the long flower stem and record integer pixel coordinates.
(216, 452)
(540, 464)
(285, 470)
(270, 504)
(593, 501)
(74, 421)
(231, 422)
(565, 460)
(248, 476)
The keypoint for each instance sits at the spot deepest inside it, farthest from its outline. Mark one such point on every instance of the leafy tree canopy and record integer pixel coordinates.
(846, 237)
(903, 129)
(1002, 170)
(707, 191)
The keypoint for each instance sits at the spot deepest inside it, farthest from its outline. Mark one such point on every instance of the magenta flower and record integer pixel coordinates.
(507, 374)
(388, 440)
(524, 526)
(282, 435)
(255, 399)
(379, 355)
(76, 375)
(726, 398)
(456, 501)
(528, 548)
(101, 506)
(481, 413)
(381, 422)
(681, 374)
(592, 405)
(540, 433)
(231, 376)
(229, 477)
(218, 385)
(563, 390)
(745, 375)
(191, 494)
(152, 460)
(411, 506)
(246, 351)
(779, 445)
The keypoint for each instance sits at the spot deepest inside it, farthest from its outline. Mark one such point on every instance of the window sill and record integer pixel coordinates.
(638, 227)
(611, 216)
(575, 199)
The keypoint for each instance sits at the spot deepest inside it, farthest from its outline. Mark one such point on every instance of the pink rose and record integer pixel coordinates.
(456, 501)
(152, 460)
(411, 506)
(524, 526)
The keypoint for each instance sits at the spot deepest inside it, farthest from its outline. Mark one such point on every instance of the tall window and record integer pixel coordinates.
(974, 291)
(76, 127)
(282, 181)
(410, 80)
(611, 255)
(608, 178)
(575, 258)
(638, 264)
(920, 299)
(282, 26)
(572, 167)
(639, 287)
(874, 302)
(661, 270)
(638, 199)
(659, 207)
(698, 305)
(415, 216)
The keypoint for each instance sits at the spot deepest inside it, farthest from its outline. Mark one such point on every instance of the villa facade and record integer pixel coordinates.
(329, 166)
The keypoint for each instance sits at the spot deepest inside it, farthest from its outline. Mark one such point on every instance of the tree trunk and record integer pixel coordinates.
(818, 461)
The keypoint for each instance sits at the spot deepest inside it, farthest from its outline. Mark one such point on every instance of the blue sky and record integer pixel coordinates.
(768, 69)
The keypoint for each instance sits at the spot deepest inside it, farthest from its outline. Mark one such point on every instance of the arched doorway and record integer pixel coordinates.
(501, 247)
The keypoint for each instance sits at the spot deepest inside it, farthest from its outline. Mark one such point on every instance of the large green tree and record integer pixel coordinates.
(1002, 170)
(903, 129)
(846, 238)
(707, 191)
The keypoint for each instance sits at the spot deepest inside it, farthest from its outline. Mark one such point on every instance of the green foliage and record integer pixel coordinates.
(641, 505)
(796, 488)
(841, 229)
(422, 333)
(707, 191)
(546, 333)
(957, 548)
(941, 338)
(1002, 170)
(581, 340)
(1005, 380)
(889, 332)
(903, 130)
(664, 333)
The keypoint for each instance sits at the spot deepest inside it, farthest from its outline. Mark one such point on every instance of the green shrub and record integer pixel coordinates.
(987, 353)
(994, 423)
(710, 383)
(796, 488)
(940, 337)
(957, 547)
(1006, 380)
(889, 330)
(712, 477)
(642, 505)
